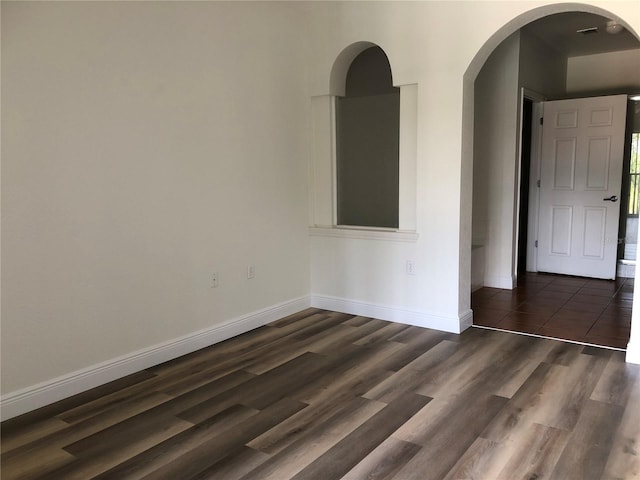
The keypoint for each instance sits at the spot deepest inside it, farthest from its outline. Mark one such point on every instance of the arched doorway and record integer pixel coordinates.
(506, 43)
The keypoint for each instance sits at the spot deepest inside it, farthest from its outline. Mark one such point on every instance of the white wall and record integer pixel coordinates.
(144, 146)
(494, 163)
(542, 68)
(369, 275)
(520, 61)
(617, 72)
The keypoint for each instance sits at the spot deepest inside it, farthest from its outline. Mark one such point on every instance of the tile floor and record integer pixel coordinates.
(570, 308)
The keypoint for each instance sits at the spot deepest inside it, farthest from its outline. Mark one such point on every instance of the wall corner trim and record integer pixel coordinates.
(500, 281)
(466, 320)
(36, 396)
(633, 353)
(417, 318)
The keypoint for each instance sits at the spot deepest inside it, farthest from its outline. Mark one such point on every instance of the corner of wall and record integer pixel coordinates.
(633, 352)
(393, 313)
(466, 320)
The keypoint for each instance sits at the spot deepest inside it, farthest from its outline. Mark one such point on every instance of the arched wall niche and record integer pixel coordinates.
(338, 74)
(323, 185)
(367, 144)
(466, 200)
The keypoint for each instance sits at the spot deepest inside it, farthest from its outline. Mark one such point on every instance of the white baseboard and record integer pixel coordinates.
(633, 353)
(393, 314)
(626, 270)
(500, 281)
(45, 393)
(466, 320)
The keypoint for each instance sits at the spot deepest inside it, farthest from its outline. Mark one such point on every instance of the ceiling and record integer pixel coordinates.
(559, 31)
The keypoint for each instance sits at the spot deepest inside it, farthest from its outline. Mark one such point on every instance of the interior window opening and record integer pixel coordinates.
(367, 144)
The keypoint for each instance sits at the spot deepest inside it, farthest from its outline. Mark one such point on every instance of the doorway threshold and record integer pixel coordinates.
(576, 342)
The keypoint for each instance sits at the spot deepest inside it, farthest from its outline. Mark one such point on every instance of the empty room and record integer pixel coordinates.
(319, 240)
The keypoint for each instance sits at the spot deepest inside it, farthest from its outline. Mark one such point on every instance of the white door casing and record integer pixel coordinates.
(581, 167)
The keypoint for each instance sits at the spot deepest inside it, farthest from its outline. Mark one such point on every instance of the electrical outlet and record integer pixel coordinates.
(411, 267)
(251, 271)
(214, 280)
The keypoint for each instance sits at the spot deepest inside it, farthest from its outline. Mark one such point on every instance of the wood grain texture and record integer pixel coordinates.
(173, 448)
(326, 395)
(384, 461)
(316, 441)
(585, 455)
(347, 453)
(624, 456)
(538, 450)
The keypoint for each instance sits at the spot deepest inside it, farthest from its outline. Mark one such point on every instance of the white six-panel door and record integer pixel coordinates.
(580, 180)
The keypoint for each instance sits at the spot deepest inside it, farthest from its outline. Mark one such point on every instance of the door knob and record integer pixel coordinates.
(612, 198)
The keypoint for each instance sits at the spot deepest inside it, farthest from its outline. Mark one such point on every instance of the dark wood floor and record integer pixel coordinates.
(322, 395)
(591, 311)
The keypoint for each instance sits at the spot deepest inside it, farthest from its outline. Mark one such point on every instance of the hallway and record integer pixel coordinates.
(583, 310)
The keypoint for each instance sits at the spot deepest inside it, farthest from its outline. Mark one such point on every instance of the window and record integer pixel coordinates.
(367, 144)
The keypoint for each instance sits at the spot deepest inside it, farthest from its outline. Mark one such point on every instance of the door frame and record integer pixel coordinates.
(534, 190)
(534, 193)
(469, 78)
(588, 231)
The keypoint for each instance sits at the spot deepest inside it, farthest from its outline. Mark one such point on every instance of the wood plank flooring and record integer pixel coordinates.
(324, 395)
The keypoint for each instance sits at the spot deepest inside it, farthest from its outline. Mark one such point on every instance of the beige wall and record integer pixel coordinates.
(617, 72)
(495, 161)
(422, 49)
(520, 61)
(542, 68)
(144, 146)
